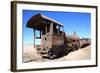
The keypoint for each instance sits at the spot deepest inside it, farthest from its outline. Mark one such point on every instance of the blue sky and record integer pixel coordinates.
(72, 21)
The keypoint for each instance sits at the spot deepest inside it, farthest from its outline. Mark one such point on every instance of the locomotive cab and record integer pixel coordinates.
(51, 34)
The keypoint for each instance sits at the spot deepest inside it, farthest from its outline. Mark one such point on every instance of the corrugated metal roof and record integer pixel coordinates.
(37, 21)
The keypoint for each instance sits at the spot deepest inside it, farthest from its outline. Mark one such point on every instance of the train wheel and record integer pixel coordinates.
(52, 57)
(51, 54)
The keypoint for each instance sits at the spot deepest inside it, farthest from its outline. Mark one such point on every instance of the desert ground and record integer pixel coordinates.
(30, 55)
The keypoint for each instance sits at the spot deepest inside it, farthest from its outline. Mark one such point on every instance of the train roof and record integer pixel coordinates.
(38, 22)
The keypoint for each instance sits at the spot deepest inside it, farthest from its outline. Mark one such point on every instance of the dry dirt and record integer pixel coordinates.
(30, 55)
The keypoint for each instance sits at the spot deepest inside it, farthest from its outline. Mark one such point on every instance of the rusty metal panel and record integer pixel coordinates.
(57, 40)
(46, 41)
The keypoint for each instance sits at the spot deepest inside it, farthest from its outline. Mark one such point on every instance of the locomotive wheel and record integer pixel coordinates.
(52, 57)
(51, 54)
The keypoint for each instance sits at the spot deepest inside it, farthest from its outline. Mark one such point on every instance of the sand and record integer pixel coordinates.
(81, 54)
(30, 55)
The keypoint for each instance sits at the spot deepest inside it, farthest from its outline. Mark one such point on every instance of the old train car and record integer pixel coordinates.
(54, 42)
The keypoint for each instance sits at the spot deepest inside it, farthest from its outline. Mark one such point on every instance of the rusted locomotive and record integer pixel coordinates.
(54, 42)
